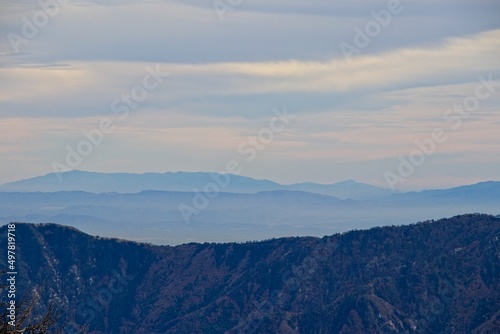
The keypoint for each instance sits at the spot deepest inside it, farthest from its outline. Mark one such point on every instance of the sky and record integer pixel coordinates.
(401, 94)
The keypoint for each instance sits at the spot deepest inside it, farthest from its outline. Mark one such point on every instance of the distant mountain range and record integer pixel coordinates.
(482, 191)
(182, 181)
(247, 209)
(431, 277)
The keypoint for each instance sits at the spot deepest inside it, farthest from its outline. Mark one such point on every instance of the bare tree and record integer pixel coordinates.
(26, 322)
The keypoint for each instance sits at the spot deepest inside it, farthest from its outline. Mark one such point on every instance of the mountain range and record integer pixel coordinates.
(431, 277)
(182, 182)
(177, 217)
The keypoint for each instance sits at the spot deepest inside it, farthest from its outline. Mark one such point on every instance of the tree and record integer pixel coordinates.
(27, 322)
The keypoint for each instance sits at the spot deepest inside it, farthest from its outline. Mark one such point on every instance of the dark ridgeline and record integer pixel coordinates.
(432, 277)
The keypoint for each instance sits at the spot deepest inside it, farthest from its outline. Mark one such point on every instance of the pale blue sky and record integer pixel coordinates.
(353, 117)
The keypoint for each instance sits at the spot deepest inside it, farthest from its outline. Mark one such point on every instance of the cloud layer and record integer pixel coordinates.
(354, 116)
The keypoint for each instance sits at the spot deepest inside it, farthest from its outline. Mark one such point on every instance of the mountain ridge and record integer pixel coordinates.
(435, 276)
(183, 181)
(155, 215)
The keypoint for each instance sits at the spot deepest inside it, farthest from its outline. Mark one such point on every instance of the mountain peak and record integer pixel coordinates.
(348, 182)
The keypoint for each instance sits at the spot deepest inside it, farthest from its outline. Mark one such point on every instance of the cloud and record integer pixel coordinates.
(354, 117)
(88, 88)
(179, 31)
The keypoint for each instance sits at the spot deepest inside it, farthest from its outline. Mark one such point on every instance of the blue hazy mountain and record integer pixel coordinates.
(182, 181)
(155, 216)
(480, 192)
(133, 183)
(344, 189)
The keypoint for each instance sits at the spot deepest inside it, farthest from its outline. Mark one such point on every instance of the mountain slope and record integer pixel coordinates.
(480, 192)
(432, 277)
(349, 189)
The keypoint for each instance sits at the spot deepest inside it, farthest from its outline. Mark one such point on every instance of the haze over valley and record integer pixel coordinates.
(174, 208)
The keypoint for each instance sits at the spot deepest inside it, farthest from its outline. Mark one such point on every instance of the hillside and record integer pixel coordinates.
(432, 277)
